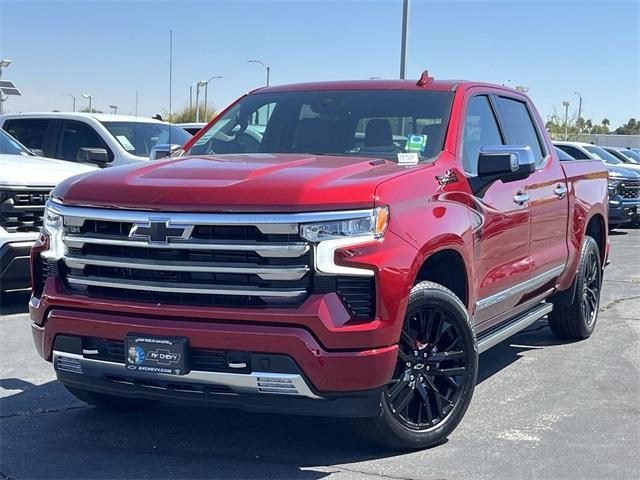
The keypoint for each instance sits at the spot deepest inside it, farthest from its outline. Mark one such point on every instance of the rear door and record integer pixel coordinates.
(34, 133)
(547, 191)
(501, 235)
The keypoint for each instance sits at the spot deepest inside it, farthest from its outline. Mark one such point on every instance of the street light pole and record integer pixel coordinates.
(199, 84)
(74, 101)
(267, 68)
(89, 97)
(403, 44)
(206, 89)
(566, 116)
(579, 114)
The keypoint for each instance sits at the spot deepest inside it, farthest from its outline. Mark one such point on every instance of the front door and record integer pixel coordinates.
(502, 219)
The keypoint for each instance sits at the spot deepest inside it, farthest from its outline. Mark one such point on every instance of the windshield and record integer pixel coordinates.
(138, 138)
(373, 123)
(10, 146)
(603, 155)
(634, 157)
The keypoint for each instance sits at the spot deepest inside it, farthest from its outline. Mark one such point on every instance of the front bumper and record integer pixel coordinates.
(14, 265)
(623, 210)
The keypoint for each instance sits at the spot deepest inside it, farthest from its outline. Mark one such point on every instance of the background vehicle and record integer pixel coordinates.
(191, 128)
(625, 155)
(351, 257)
(25, 183)
(101, 139)
(624, 182)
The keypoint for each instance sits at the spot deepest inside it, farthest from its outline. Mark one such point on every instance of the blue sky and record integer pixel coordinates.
(111, 49)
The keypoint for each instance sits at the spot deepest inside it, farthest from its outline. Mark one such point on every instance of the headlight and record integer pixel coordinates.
(334, 234)
(52, 221)
(373, 224)
(613, 186)
(52, 226)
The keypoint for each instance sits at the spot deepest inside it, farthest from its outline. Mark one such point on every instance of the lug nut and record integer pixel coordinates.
(424, 354)
(408, 364)
(412, 377)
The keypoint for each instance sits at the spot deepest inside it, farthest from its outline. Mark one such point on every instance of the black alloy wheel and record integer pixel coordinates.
(431, 369)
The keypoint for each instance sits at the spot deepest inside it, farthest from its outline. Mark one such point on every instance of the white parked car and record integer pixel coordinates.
(582, 150)
(25, 183)
(100, 139)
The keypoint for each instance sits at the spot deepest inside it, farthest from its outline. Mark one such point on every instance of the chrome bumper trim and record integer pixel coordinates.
(186, 288)
(247, 383)
(266, 273)
(284, 250)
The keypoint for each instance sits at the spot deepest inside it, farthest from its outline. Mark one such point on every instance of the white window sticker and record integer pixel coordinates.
(124, 141)
(408, 158)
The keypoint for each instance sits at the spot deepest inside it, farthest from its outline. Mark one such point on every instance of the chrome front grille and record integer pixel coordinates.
(630, 189)
(223, 262)
(213, 260)
(21, 208)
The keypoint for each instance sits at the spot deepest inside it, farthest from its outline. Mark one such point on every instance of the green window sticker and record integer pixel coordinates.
(416, 143)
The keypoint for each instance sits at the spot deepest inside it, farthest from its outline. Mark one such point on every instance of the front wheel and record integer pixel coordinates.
(435, 374)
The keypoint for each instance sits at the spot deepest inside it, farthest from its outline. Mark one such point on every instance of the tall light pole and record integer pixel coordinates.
(191, 94)
(89, 97)
(265, 66)
(566, 117)
(114, 108)
(74, 100)
(403, 44)
(200, 83)
(579, 114)
(206, 89)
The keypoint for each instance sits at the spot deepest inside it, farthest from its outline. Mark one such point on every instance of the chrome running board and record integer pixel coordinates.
(514, 326)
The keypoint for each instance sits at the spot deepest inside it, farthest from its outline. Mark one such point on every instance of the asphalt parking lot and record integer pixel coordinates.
(542, 409)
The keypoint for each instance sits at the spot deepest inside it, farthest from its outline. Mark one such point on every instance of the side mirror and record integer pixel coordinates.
(164, 150)
(99, 156)
(37, 151)
(506, 162)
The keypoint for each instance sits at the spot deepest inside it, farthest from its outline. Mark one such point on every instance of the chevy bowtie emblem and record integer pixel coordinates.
(160, 230)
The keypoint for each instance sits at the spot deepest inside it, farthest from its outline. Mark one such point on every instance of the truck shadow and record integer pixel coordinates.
(180, 441)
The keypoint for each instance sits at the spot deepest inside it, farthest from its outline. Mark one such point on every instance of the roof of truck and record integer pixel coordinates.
(391, 84)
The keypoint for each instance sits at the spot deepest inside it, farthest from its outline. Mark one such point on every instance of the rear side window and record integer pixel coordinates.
(518, 125)
(31, 132)
(563, 156)
(480, 130)
(574, 152)
(77, 135)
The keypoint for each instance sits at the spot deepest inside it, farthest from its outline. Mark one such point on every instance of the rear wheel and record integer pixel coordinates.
(110, 402)
(578, 319)
(435, 374)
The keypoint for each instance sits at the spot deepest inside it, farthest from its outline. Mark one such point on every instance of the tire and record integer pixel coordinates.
(110, 402)
(577, 320)
(422, 405)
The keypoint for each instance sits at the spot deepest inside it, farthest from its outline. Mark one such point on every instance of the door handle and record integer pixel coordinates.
(521, 197)
(560, 191)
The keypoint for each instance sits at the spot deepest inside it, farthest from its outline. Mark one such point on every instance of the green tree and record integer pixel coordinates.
(93, 110)
(187, 114)
(632, 127)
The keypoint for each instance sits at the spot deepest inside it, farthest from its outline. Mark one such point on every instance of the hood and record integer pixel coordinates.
(235, 183)
(619, 171)
(30, 171)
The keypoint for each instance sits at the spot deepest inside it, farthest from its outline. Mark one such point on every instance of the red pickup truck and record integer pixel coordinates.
(335, 248)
